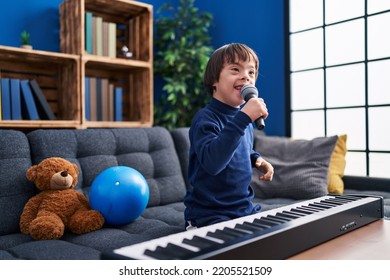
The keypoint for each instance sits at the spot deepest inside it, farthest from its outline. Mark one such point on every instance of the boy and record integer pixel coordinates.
(221, 136)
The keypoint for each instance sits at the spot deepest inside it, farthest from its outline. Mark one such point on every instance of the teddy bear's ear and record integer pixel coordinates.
(76, 168)
(31, 173)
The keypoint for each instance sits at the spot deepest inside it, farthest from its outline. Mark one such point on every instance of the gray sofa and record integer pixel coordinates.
(161, 156)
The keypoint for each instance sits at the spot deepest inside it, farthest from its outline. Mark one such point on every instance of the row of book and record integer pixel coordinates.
(23, 100)
(100, 36)
(103, 100)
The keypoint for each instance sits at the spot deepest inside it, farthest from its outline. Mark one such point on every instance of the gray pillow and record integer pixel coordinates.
(301, 166)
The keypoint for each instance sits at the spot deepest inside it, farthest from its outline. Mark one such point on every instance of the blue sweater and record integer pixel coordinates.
(220, 165)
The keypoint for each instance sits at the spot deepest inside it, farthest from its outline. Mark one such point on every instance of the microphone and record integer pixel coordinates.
(249, 91)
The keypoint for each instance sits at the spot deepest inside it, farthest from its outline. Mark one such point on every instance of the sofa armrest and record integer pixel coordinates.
(366, 183)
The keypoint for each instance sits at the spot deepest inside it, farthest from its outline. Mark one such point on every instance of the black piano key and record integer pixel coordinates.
(170, 252)
(281, 214)
(178, 252)
(265, 221)
(200, 242)
(270, 219)
(298, 215)
(278, 219)
(255, 226)
(317, 207)
(219, 234)
(303, 211)
(324, 202)
(234, 232)
(159, 253)
(313, 208)
(322, 205)
(336, 199)
(347, 198)
(341, 201)
(248, 227)
(332, 201)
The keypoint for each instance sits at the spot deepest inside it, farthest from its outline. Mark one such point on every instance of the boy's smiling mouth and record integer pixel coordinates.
(239, 87)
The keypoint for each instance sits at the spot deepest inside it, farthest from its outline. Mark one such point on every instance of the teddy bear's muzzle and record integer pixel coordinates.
(61, 180)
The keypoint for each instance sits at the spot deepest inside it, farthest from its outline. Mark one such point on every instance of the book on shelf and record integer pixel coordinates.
(105, 101)
(112, 39)
(105, 38)
(45, 112)
(99, 113)
(100, 36)
(87, 98)
(118, 92)
(111, 105)
(97, 35)
(93, 97)
(28, 104)
(109, 39)
(5, 99)
(88, 32)
(16, 107)
(94, 51)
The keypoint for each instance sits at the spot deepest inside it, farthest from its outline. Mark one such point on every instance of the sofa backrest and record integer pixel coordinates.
(182, 144)
(15, 189)
(151, 151)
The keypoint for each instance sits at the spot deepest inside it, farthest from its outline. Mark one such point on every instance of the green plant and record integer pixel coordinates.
(25, 38)
(182, 51)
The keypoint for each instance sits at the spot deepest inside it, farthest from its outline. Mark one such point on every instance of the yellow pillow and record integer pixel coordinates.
(337, 166)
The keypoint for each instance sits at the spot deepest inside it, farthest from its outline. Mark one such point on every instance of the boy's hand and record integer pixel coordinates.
(255, 108)
(265, 167)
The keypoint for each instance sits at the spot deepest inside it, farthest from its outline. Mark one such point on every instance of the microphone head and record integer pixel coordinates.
(248, 91)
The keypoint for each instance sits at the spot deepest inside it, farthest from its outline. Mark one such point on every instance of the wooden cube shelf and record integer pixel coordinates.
(134, 21)
(137, 86)
(62, 75)
(57, 75)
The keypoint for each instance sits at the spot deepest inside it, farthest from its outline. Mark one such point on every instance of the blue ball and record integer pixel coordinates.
(120, 194)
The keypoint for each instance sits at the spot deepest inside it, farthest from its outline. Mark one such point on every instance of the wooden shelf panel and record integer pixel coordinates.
(120, 11)
(57, 75)
(128, 124)
(108, 62)
(40, 124)
(19, 54)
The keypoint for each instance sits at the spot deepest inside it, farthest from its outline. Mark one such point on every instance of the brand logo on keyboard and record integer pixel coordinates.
(348, 226)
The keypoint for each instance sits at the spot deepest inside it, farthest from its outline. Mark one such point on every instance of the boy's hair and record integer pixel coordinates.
(229, 53)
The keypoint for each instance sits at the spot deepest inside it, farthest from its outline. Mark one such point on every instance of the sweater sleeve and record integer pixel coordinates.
(215, 146)
(254, 156)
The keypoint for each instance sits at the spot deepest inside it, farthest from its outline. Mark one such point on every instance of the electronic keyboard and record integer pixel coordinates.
(274, 234)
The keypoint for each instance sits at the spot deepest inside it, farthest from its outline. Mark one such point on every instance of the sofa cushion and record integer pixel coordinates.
(182, 143)
(149, 150)
(337, 166)
(53, 250)
(301, 166)
(15, 189)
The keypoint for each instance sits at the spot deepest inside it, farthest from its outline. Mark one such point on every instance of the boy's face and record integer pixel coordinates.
(232, 78)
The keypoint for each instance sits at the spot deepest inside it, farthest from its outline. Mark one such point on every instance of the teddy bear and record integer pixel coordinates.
(58, 206)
